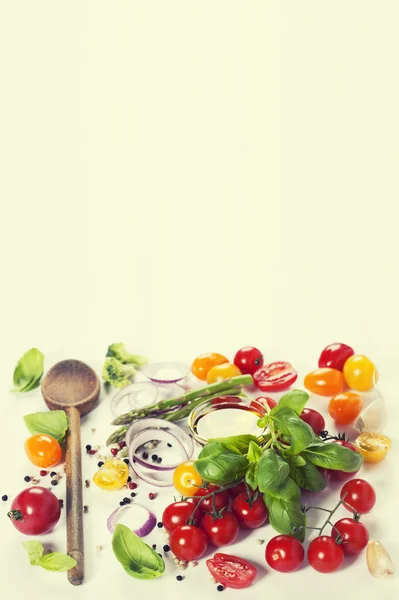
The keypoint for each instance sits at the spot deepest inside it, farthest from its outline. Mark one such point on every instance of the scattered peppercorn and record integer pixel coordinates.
(86, 509)
(88, 448)
(133, 494)
(60, 500)
(159, 459)
(160, 555)
(126, 500)
(122, 444)
(169, 445)
(154, 457)
(114, 451)
(166, 548)
(126, 461)
(53, 473)
(100, 463)
(92, 452)
(151, 496)
(179, 577)
(145, 455)
(132, 485)
(121, 503)
(160, 524)
(220, 588)
(4, 498)
(87, 483)
(154, 546)
(27, 478)
(43, 473)
(54, 482)
(129, 479)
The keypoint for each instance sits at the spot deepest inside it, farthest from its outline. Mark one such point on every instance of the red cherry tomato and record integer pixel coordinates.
(360, 496)
(324, 554)
(250, 515)
(248, 360)
(231, 571)
(355, 535)
(35, 511)
(284, 553)
(188, 542)
(275, 377)
(324, 382)
(177, 514)
(222, 531)
(342, 475)
(314, 419)
(238, 489)
(259, 404)
(220, 500)
(335, 356)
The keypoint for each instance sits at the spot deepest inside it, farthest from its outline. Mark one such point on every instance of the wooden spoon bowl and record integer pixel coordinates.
(73, 386)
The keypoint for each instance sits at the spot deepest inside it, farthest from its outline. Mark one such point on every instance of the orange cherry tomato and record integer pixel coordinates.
(186, 479)
(345, 408)
(43, 450)
(222, 372)
(204, 363)
(360, 373)
(325, 382)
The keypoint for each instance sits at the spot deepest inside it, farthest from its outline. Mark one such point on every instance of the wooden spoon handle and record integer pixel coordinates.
(74, 504)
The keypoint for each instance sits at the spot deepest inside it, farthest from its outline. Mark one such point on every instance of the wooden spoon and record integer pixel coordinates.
(72, 386)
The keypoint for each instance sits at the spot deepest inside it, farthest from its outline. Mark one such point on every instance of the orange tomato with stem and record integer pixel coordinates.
(204, 363)
(325, 382)
(43, 450)
(345, 408)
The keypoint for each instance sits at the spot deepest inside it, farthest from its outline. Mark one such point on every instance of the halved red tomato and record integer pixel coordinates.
(275, 377)
(231, 571)
(261, 403)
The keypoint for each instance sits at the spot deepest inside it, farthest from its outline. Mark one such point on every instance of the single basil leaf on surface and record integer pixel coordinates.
(272, 471)
(236, 443)
(296, 399)
(287, 490)
(221, 469)
(136, 557)
(52, 422)
(333, 456)
(251, 476)
(296, 461)
(29, 370)
(212, 449)
(308, 477)
(34, 550)
(254, 452)
(55, 561)
(285, 515)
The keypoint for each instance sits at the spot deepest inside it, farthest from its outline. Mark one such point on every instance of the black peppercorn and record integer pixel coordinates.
(160, 524)
(54, 482)
(166, 548)
(220, 588)
(145, 455)
(180, 578)
(27, 478)
(100, 463)
(4, 498)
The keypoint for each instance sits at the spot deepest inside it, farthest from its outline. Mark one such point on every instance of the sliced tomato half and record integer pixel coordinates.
(275, 377)
(231, 571)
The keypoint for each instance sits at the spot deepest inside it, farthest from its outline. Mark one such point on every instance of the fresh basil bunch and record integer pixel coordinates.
(281, 463)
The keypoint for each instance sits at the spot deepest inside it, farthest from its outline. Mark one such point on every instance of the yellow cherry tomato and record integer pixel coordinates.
(373, 446)
(222, 372)
(113, 475)
(204, 363)
(186, 479)
(360, 373)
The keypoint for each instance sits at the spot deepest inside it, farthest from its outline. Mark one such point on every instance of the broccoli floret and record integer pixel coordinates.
(117, 374)
(119, 352)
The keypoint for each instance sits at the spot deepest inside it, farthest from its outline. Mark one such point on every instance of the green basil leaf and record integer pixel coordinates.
(308, 477)
(251, 475)
(212, 449)
(284, 515)
(296, 461)
(272, 471)
(55, 561)
(236, 443)
(136, 557)
(263, 422)
(296, 399)
(286, 491)
(52, 422)
(34, 550)
(300, 435)
(221, 469)
(333, 456)
(254, 452)
(29, 370)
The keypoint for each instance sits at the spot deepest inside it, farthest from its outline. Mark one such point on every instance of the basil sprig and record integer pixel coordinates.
(280, 463)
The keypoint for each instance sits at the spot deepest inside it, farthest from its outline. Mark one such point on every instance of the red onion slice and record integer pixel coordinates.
(136, 395)
(122, 514)
(166, 372)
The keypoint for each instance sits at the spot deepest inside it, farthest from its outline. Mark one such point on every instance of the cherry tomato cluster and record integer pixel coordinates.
(325, 553)
(273, 377)
(212, 516)
(341, 369)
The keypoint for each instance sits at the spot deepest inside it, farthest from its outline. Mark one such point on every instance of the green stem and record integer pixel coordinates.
(211, 495)
(185, 398)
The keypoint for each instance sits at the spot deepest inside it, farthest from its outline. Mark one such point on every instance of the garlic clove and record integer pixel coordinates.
(373, 418)
(378, 560)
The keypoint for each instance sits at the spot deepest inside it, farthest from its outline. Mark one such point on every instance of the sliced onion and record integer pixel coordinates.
(139, 395)
(120, 515)
(156, 425)
(166, 372)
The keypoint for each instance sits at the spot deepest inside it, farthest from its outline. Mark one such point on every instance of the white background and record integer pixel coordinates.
(188, 177)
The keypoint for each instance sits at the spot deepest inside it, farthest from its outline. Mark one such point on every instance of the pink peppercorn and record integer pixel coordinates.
(114, 451)
(122, 445)
(132, 485)
(151, 496)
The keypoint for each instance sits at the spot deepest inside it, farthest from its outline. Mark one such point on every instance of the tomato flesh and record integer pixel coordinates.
(373, 446)
(275, 377)
(248, 360)
(231, 571)
(335, 356)
(35, 511)
(325, 382)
